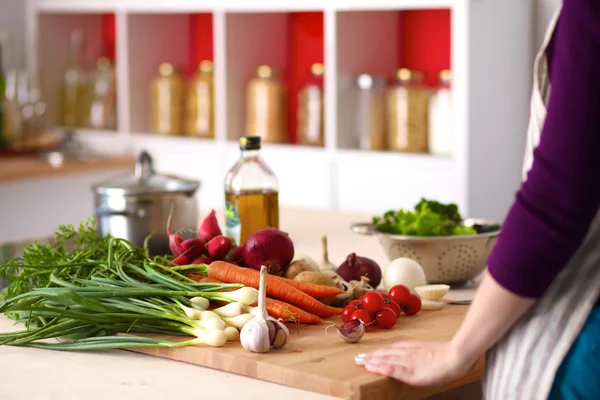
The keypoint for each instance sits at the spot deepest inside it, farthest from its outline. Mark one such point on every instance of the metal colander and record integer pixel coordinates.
(445, 259)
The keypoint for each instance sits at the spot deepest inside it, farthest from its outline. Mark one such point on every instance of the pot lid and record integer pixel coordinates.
(145, 180)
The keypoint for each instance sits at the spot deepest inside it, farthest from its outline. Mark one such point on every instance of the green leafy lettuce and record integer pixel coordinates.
(429, 218)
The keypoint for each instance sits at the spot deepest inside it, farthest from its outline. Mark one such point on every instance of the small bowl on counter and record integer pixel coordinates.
(452, 260)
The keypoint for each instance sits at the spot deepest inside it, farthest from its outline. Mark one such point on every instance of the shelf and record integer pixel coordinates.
(395, 31)
(54, 50)
(194, 6)
(288, 42)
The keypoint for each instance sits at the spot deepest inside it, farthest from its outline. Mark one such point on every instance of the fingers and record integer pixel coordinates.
(399, 372)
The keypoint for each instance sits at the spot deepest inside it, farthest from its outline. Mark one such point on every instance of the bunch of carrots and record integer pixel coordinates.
(290, 300)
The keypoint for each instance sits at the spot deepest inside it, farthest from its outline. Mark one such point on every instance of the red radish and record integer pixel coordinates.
(219, 247)
(270, 247)
(209, 228)
(175, 240)
(193, 247)
(237, 254)
(203, 260)
(183, 259)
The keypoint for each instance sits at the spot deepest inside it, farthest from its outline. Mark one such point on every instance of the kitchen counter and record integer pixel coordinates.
(122, 374)
(16, 168)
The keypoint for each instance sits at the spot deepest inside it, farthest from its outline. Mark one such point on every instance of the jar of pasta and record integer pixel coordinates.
(310, 129)
(407, 113)
(199, 117)
(267, 107)
(166, 101)
(369, 112)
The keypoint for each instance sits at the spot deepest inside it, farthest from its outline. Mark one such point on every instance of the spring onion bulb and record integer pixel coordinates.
(238, 321)
(200, 302)
(230, 310)
(212, 324)
(245, 295)
(231, 333)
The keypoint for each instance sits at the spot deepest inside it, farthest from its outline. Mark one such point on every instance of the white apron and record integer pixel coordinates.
(523, 364)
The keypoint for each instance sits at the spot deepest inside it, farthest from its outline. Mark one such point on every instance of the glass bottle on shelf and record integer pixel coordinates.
(166, 97)
(440, 116)
(407, 113)
(369, 112)
(251, 193)
(267, 107)
(311, 109)
(199, 116)
(102, 111)
(32, 109)
(74, 91)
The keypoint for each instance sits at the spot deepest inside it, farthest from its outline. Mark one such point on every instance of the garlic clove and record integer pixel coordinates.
(432, 292)
(431, 305)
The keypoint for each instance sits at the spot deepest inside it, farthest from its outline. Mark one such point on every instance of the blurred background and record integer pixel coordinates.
(362, 107)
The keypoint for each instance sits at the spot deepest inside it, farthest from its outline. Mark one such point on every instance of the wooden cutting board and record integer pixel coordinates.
(320, 361)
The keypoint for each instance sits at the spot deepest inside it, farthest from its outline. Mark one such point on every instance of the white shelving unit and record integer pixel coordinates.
(491, 51)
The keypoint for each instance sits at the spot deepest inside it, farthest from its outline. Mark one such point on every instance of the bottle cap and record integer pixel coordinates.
(250, 143)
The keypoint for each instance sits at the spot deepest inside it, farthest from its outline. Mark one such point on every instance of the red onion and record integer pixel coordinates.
(209, 227)
(355, 267)
(269, 247)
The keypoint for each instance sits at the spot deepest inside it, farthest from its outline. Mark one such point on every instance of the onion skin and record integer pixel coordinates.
(269, 247)
(355, 267)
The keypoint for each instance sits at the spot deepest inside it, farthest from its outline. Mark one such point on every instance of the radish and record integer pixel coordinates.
(193, 247)
(209, 228)
(203, 260)
(183, 259)
(175, 240)
(219, 247)
(270, 247)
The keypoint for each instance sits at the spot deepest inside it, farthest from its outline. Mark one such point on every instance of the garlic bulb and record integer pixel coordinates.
(263, 332)
(325, 265)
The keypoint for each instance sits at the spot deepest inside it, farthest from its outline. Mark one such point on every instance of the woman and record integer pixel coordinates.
(537, 313)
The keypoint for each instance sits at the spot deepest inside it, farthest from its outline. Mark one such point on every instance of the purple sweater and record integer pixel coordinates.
(555, 206)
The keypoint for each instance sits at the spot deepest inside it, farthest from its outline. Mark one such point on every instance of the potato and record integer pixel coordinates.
(317, 278)
(296, 267)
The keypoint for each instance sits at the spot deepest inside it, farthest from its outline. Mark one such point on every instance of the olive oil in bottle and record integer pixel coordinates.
(251, 193)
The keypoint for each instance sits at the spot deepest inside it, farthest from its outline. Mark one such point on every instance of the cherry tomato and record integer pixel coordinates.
(362, 315)
(348, 311)
(386, 297)
(395, 308)
(372, 302)
(413, 305)
(399, 294)
(386, 318)
(356, 303)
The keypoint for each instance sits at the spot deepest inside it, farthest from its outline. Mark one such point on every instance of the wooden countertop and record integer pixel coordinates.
(28, 167)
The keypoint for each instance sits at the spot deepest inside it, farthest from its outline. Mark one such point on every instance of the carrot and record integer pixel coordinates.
(288, 313)
(230, 273)
(275, 308)
(311, 289)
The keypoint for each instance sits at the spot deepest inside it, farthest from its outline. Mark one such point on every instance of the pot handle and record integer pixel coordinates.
(143, 166)
(110, 213)
(362, 228)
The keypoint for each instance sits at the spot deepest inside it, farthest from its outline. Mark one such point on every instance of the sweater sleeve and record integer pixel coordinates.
(555, 206)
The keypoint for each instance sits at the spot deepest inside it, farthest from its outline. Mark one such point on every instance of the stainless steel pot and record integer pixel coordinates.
(136, 205)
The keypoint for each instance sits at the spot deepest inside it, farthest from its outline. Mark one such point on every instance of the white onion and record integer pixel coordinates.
(403, 271)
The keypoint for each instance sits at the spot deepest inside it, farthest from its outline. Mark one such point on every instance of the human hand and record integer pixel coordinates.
(418, 363)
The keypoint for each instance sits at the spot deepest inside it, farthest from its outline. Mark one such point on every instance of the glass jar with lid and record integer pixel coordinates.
(407, 113)
(310, 131)
(369, 112)
(199, 116)
(440, 116)
(166, 97)
(267, 106)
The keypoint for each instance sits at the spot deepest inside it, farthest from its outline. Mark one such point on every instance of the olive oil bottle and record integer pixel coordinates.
(251, 193)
